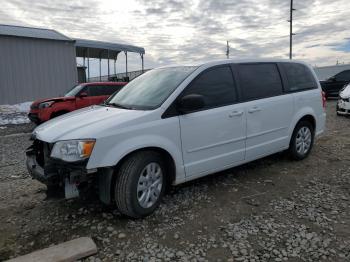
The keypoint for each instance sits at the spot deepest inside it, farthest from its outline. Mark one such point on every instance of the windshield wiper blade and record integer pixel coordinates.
(118, 106)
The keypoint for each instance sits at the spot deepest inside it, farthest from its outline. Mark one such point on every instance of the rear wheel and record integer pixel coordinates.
(302, 140)
(140, 184)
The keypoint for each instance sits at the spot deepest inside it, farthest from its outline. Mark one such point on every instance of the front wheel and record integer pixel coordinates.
(302, 140)
(140, 184)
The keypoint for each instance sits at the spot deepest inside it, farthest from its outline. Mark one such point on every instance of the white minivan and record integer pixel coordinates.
(177, 123)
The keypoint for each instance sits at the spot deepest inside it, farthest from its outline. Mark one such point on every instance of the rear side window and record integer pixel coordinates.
(259, 80)
(96, 90)
(103, 90)
(111, 89)
(216, 86)
(299, 77)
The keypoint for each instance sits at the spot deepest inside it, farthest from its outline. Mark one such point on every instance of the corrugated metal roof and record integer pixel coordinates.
(21, 31)
(83, 43)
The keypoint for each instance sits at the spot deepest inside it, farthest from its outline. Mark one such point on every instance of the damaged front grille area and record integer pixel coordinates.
(42, 151)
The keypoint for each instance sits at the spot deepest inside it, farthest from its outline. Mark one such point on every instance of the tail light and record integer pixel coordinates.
(323, 99)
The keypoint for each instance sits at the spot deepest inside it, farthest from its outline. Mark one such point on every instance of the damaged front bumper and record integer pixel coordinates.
(70, 176)
(343, 106)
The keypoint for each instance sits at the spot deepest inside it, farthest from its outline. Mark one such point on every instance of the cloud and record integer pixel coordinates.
(177, 31)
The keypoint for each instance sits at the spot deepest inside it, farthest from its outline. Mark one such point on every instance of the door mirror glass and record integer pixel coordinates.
(83, 94)
(190, 103)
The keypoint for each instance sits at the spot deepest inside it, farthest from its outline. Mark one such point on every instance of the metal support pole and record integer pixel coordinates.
(115, 69)
(142, 63)
(126, 63)
(88, 62)
(100, 67)
(108, 64)
(291, 30)
(84, 68)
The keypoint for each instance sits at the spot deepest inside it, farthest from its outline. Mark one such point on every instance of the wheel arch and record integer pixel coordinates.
(309, 118)
(303, 117)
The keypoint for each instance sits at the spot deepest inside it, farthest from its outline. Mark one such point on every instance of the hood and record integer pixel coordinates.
(345, 92)
(56, 99)
(89, 122)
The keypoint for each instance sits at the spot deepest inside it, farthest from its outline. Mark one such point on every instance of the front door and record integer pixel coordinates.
(82, 99)
(213, 138)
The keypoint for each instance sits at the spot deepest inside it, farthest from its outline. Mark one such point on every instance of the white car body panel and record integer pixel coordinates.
(268, 123)
(200, 143)
(213, 139)
(343, 103)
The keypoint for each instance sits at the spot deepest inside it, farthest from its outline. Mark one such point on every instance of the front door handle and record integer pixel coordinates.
(254, 109)
(235, 113)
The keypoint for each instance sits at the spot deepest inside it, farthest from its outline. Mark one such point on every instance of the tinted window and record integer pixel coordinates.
(96, 90)
(216, 86)
(343, 76)
(259, 80)
(299, 77)
(108, 90)
(103, 90)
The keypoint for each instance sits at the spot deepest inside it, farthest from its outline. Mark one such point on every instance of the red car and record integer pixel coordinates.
(79, 96)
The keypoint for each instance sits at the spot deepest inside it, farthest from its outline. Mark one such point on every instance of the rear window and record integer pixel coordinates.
(259, 80)
(299, 77)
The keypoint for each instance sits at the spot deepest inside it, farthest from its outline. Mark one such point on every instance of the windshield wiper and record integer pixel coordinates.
(119, 106)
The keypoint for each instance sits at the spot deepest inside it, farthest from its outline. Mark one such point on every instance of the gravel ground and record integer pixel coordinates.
(273, 209)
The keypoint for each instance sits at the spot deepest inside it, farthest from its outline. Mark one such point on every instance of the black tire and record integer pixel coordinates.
(293, 142)
(125, 194)
(337, 109)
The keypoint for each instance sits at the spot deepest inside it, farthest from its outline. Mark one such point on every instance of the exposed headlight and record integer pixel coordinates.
(73, 150)
(45, 104)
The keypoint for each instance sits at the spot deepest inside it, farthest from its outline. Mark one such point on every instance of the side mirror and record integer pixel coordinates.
(83, 94)
(190, 103)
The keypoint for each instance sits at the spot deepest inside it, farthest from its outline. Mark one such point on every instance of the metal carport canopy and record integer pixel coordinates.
(99, 49)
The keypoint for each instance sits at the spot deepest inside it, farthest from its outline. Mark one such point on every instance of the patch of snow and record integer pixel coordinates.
(14, 114)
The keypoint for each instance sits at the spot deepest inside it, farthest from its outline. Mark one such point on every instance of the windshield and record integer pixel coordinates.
(151, 89)
(74, 91)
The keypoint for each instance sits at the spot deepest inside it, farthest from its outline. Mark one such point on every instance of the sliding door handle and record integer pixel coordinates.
(254, 109)
(235, 113)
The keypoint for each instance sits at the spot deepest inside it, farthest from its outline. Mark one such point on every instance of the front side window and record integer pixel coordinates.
(259, 80)
(299, 77)
(151, 89)
(112, 88)
(216, 86)
(343, 76)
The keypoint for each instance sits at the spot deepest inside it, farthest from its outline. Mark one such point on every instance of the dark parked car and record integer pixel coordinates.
(335, 83)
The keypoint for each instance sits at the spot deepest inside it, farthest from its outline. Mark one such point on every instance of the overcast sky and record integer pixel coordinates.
(177, 31)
